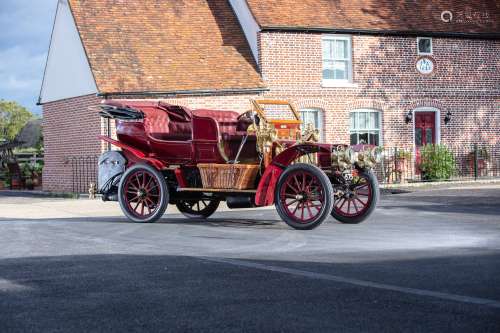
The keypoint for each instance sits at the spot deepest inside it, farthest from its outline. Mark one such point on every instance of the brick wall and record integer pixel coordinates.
(466, 82)
(70, 130)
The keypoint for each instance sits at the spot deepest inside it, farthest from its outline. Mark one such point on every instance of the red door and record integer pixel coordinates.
(425, 133)
(425, 128)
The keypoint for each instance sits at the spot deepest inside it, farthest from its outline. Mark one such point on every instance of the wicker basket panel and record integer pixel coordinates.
(228, 176)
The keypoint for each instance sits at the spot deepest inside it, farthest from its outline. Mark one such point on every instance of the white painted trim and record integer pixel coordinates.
(424, 53)
(339, 82)
(67, 71)
(437, 122)
(248, 24)
(380, 123)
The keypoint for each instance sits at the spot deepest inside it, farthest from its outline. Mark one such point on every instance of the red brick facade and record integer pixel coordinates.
(70, 130)
(465, 82)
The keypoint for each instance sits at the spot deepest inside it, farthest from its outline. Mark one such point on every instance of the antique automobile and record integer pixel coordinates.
(194, 159)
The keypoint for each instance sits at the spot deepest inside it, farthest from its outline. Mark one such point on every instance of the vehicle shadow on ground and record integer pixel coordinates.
(233, 222)
(102, 293)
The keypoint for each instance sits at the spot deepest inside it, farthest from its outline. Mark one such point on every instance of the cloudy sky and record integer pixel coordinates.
(25, 27)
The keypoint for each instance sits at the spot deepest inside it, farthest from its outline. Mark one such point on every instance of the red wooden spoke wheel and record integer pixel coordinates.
(143, 193)
(358, 200)
(198, 209)
(304, 196)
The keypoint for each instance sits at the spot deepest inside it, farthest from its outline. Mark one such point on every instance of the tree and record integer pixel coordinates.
(13, 117)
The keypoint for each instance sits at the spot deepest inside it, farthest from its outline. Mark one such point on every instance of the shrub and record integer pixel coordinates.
(437, 162)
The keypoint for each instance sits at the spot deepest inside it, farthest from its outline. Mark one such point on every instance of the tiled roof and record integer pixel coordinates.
(160, 45)
(467, 17)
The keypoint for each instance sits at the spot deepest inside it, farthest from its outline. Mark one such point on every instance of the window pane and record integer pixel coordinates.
(362, 120)
(328, 71)
(353, 120)
(354, 138)
(374, 138)
(340, 70)
(428, 136)
(340, 51)
(363, 138)
(424, 45)
(327, 49)
(376, 121)
(418, 136)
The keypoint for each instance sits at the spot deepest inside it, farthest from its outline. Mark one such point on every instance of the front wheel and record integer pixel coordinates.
(304, 196)
(143, 193)
(355, 202)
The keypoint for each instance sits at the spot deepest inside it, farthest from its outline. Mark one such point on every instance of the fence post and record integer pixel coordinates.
(475, 161)
(395, 173)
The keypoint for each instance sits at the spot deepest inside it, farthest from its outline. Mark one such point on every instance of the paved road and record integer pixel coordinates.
(426, 262)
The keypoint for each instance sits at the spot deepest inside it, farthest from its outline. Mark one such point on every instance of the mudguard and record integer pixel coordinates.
(267, 184)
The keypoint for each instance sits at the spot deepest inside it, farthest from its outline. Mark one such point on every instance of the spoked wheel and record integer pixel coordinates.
(356, 202)
(198, 209)
(143, 194)
(304, 196)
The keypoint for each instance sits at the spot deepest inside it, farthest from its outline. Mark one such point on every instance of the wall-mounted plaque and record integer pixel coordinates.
(425, 65)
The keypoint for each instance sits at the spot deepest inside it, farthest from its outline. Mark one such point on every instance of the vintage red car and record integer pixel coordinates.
(195, 159)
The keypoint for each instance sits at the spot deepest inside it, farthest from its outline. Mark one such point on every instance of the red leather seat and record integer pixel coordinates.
(159, 125)
(227, 120)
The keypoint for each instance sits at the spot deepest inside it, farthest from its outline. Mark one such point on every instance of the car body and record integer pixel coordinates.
(197, 158)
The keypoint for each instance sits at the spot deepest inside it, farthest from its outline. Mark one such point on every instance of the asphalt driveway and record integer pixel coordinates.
(426, 262)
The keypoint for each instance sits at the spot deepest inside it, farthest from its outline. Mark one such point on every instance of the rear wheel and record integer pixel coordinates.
(197, 209)
(143, 194)
(355, 202)
(304, 196)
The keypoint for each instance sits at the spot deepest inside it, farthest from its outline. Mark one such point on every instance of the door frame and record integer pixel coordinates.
(437, 118)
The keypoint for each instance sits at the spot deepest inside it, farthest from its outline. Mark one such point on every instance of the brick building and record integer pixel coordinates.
(382, 72)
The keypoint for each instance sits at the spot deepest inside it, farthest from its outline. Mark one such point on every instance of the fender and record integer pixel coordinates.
(269, 180)
(136, 153)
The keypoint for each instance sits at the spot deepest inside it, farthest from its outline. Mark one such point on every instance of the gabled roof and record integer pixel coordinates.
(163, 46)
(481, 17)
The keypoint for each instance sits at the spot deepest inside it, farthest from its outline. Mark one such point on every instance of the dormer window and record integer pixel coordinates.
(424, 45)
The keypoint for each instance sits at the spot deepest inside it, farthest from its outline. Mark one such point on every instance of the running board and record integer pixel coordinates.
(226, 190)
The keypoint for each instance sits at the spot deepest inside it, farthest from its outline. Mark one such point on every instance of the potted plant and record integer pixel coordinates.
(37, 174)
(400, 159)
(29, 184)
(482, 159)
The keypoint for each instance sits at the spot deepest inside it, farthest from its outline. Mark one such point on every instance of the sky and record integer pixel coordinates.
(25, 27)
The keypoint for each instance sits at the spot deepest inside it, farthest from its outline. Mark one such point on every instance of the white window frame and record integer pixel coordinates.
(379, 129)
(321, 123)
(418, 49)
(338, 82)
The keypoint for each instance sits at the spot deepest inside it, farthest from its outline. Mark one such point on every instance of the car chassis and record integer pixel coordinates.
(195, 159)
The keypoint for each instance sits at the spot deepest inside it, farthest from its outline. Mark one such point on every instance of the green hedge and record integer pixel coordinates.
(437, 162)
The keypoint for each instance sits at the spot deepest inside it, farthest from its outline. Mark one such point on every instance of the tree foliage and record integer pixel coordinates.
(12, 119)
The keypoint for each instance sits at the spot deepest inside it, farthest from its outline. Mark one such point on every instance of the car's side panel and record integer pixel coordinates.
(206, 139)
(173, 152)
(133, 135)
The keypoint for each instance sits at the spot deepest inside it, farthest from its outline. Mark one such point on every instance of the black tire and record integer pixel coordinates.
(156, 199)
(371, 203)
(197, 209)
(319, 187)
